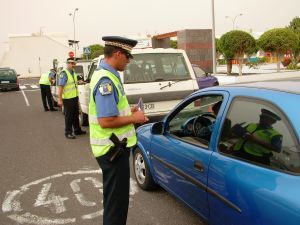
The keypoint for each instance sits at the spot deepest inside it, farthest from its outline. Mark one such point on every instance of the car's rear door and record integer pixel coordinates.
(244, 191)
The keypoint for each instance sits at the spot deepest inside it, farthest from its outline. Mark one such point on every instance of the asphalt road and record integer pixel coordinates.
(47, 179)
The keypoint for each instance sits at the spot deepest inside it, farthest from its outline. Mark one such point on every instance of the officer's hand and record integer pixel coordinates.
(139, 117)
(134, 109)
(59, 103)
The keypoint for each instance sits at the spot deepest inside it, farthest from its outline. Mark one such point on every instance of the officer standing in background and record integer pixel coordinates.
(45, 83)
(112, 132)
(68, 97)
(258, 140)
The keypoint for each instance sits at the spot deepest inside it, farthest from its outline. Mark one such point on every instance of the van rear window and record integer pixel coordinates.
(154, 67)
(79, 70)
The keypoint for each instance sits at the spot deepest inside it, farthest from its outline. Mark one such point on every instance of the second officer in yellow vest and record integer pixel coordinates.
(45, 84)
(112, 132)
(68, 97)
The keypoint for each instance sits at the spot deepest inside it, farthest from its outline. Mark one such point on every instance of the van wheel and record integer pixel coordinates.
(84, 119)
(142, 173)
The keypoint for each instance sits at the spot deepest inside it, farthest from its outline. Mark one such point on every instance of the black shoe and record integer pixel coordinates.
(53, 110)
(46, 110)
(70, 136)
(80, 132)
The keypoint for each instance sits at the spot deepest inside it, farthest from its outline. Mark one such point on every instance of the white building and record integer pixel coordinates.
(31, 55)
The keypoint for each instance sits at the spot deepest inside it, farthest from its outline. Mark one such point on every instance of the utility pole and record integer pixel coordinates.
(213, 37)
(74, 43)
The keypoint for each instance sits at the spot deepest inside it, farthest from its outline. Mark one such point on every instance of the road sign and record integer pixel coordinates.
(71, 54)
(87, 50)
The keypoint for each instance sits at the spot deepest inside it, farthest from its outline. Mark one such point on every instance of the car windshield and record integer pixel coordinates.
(198, 71)
(156, 67)
(4, 73)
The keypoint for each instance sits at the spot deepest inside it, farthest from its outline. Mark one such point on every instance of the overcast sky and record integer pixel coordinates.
(97, 18)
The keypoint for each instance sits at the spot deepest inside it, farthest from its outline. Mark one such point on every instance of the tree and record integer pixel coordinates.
(96, 50)
(173, 44)
(237, 44)
(295, 26)
(278, 41)
(218, 49)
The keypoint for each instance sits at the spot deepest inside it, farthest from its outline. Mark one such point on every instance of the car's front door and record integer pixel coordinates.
(181, 156)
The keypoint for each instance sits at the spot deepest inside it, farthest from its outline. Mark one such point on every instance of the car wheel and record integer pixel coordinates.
(216, 83)
(142, 173)
(17, 88)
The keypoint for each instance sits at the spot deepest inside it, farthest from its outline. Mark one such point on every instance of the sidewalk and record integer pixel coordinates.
(265, 72)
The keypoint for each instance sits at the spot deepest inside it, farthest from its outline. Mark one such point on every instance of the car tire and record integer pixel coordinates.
(141, 170)
(17, 88)
(216, 83)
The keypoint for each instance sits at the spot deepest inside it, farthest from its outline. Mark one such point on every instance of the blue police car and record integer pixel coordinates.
(231, 153)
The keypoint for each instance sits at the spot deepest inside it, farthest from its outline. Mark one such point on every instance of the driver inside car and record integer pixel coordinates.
(206, 131)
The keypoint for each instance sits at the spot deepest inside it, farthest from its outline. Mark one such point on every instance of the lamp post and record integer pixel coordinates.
(233, 19)
(73, 14)
(213, 37)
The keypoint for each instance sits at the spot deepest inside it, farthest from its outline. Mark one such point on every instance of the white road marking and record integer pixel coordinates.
(26, 100)
(34, 86)
(28, 218)
(22, 87)
(55, 203)
(12, 202)
(92, 215)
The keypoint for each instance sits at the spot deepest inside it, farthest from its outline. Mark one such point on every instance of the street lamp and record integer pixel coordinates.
(233, 19)
(70, 14)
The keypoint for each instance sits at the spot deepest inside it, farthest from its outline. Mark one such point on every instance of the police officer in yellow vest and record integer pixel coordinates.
(68, 97)
(112, 131)
(258, 140)
(45, 83)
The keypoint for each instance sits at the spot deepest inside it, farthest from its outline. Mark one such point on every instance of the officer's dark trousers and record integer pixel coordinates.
(115, 189)
(46, 96)
(71, 109)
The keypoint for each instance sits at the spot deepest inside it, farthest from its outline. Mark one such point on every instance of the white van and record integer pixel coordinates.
(81, 69)
(161, 77)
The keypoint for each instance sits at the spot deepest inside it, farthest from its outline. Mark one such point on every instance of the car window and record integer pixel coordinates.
(194, 123)
(91, 71)
(8, 73)
(156, 67)
(259, 133)
(199, 72)
(79, 70)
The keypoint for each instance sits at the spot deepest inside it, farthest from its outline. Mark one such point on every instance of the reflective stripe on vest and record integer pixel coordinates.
(45, 79)
(70, 88)
(99, 137)
(125, 112)
(253, 148)
(105, 141)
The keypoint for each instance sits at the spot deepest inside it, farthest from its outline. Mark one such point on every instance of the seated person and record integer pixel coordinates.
(257, 140)
(205, 132)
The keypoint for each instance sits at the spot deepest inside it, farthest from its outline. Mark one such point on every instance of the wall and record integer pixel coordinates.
(32, 55)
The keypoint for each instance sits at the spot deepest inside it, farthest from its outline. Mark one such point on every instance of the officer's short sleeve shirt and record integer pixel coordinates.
(63, 78)
(106, 98)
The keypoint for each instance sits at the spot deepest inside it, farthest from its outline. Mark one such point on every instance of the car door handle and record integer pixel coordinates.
(198, 166)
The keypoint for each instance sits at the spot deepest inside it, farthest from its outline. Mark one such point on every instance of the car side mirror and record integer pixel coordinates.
(157, 128)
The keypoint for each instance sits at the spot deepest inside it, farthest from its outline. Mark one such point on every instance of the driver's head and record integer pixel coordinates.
(216, 107)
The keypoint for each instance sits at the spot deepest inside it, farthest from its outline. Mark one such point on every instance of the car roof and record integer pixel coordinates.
(156, 50)
(291, 86)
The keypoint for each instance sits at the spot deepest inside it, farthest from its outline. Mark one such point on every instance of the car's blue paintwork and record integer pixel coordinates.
(255, 195)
